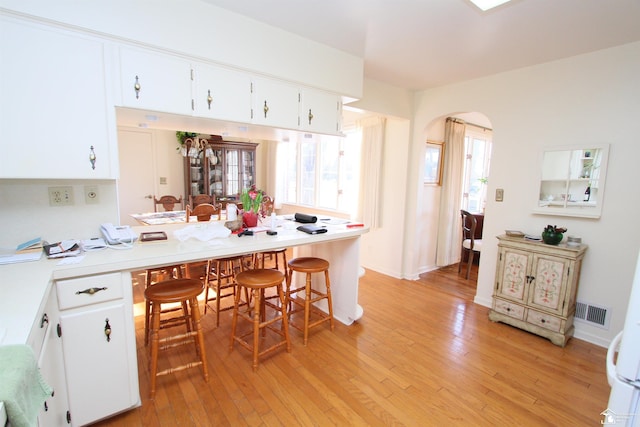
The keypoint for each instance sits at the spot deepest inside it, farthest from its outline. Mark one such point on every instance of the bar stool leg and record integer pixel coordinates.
(257, 309)
(234, 319)
(199, 337)
(155, 329)
(307, 307)
(327, 281)
(285, 316)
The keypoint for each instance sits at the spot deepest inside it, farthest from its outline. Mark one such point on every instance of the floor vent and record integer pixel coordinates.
(592, 314)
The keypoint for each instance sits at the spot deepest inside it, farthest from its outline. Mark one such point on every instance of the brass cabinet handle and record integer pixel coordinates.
(107, 329)
(209, 98)
(265, 109)
(92, 157)
(137, 88)
(91, 291)
(310, 116)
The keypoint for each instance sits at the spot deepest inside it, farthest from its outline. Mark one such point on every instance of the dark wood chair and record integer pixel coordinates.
(203, 211)
(200, 199)
(168, 202)
(470, 245)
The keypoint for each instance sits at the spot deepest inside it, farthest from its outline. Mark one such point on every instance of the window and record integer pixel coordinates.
(320, 171)
(477, 144)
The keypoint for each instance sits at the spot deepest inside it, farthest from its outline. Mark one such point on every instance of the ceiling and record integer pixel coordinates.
(419, 44)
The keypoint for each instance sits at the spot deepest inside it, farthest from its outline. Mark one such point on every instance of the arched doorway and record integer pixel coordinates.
(463, 185)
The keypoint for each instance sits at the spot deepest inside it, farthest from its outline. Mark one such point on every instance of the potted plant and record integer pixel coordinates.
(552, 235)
(251, 199)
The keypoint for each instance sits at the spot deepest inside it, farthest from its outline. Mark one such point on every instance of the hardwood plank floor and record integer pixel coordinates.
(422, 354)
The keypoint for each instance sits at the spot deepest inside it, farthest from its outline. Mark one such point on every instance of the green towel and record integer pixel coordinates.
(22, 388)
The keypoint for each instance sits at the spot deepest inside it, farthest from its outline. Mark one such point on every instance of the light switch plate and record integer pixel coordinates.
(499, 194)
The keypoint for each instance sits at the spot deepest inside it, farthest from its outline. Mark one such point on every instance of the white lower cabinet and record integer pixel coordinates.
(48, 348)
(98, 343)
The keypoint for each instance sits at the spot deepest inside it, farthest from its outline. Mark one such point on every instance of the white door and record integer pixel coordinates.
(135, 186)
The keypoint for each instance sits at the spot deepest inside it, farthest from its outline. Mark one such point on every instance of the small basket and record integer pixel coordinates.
(234, 225)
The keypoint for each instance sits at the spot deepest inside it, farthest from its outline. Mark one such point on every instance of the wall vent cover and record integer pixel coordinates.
(593, 314)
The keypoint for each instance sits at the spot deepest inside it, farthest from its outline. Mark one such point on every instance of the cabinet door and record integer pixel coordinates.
(320, 112)
(274, 103)
(216, 172)
(153, 81)
(549, 283)
(513, 274)
(222, 94)
(232, 185)
(51, 365)
(53, 104)
(99, 369)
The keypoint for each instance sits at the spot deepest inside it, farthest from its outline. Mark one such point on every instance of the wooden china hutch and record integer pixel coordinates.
(218, 168)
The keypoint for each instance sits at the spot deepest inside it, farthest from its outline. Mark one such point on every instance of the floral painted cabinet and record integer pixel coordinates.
(536, 287)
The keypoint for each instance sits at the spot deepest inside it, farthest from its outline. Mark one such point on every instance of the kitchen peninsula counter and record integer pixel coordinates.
(25, 286)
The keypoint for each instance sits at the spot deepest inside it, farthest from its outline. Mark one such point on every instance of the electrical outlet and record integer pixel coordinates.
(91, 194)
(60, 196)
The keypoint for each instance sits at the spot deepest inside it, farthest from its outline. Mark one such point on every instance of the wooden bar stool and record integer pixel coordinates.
(221, 276)
(176, 291)
(259, 280)
(259, 258)
(310, 265)
(155, 275)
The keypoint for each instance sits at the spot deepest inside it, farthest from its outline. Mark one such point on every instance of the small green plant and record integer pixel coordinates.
(181, 136)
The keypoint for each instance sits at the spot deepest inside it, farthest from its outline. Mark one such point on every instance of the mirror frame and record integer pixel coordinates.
(565, 206)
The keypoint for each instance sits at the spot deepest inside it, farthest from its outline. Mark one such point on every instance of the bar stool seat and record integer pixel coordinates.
(309, 266)
(176, 291)
(159, 274)
(258, 281)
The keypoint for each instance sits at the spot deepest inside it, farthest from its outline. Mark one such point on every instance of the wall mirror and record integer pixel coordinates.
(572, 181)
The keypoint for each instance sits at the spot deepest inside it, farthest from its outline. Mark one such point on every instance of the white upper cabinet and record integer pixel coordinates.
(54, 104)
(320, 111)
(154, 81)
(221, 93)
(275, 103)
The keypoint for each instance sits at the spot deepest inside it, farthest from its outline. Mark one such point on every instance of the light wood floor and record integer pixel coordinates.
(423, 354)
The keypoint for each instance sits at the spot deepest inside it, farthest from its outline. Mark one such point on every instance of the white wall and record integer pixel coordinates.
(26, 213)
(585, 99)
(381, 248)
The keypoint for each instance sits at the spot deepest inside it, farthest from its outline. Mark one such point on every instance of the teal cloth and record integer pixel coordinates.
(22, 388)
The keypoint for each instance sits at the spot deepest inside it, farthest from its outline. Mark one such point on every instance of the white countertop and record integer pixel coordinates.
(25, 286)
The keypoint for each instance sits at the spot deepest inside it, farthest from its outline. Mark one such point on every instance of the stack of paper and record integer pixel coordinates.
(30, 250)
